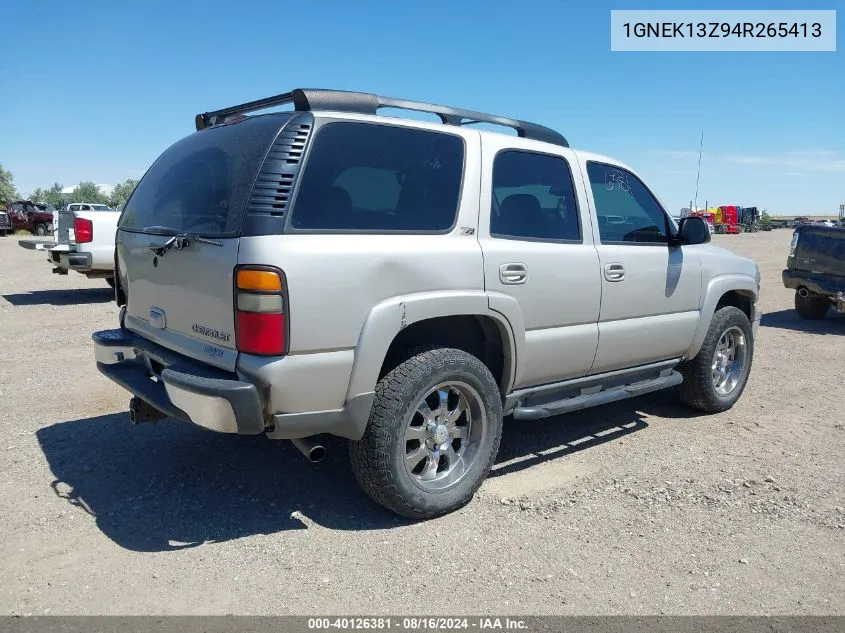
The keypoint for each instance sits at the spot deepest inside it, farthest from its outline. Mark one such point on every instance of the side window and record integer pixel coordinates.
(370, 177)
(626, 210)
(533, 197)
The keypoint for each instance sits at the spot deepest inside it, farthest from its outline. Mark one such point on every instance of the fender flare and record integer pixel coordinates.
(716, 288)
(388, 318)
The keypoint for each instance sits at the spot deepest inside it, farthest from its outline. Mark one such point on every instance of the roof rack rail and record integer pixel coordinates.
(367, 103)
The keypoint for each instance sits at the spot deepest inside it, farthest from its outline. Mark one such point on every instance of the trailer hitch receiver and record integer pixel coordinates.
(141, 411)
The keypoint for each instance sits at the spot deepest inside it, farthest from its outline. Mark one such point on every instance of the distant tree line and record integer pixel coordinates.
(84, 192)
(87, 192)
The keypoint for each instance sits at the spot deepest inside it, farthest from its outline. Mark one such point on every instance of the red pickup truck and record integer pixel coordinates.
(25, 215)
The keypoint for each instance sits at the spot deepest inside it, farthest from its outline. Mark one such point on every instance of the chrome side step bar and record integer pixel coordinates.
(592, 397)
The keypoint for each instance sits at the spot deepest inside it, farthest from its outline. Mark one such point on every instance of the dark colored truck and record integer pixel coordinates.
(815, 268)
(25, 215)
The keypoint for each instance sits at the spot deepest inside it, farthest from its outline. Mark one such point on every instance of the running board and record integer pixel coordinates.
(586, 400)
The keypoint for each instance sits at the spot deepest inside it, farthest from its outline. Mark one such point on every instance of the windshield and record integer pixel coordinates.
(101, 207)
(201, 184)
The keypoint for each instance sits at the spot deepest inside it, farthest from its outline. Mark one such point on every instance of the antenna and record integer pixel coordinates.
(698, 177)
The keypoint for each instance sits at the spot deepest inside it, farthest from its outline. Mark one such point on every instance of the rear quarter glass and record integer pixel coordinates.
(370, 177)
(201, 184)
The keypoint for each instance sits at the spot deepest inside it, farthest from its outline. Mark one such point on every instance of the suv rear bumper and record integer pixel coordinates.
(178, 387)
(214, 399)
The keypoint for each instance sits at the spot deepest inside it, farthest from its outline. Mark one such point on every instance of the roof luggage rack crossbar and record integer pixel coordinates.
(367, 103)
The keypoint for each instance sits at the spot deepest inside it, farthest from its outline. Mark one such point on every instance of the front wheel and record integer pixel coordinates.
(41, 230)
(715, 378)
(432, 436)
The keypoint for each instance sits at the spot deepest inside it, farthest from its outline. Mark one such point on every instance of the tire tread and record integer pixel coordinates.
(370, 456)
(697, 390)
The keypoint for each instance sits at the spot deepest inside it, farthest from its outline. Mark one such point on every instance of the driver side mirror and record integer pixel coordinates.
(693, 230)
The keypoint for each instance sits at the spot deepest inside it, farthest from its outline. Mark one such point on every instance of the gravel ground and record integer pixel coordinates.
(640, 507)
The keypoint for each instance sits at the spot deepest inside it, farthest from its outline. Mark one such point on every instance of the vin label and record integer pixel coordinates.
(725, 31)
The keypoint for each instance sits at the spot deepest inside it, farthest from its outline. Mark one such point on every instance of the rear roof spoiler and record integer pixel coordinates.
(307, 99)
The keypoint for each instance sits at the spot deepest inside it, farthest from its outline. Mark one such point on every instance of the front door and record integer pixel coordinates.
(650, 290)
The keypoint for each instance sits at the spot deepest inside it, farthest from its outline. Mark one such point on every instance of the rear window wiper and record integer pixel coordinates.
(178, 240)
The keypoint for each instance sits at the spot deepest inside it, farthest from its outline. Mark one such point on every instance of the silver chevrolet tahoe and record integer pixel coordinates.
(329, 269)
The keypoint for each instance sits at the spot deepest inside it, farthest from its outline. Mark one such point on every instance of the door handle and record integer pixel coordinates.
(512, 274)
(614, 272)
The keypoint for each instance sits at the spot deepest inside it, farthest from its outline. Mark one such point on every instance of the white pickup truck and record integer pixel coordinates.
(83, 240)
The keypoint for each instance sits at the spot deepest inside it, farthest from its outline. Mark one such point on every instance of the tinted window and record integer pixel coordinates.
(533, 197)
(201, 183)
(362, 176)
(626, 210)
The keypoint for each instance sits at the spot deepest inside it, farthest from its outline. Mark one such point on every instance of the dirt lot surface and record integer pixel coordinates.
(638, 507)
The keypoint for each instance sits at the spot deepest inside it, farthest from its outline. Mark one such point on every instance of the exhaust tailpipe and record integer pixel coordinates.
(314, 451)
(802, 292)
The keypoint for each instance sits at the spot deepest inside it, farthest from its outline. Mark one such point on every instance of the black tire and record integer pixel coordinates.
(378, 459)
(110, 281)
(698, 389)
(41, 230)
(812, 307)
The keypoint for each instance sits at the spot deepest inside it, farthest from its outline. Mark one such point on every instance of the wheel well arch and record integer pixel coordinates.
(739, 299)
(480, 335)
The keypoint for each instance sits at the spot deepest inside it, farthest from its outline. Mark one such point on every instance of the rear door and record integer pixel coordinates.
(183, 298)
(538, 249)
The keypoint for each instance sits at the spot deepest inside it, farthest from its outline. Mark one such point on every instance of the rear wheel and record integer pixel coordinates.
(433, 434)
(812, 306)
(41, 230)
(715, 378)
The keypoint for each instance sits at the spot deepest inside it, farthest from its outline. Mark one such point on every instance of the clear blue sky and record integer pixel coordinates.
(95, 90)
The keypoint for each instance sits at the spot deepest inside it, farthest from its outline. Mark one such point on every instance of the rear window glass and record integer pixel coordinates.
(369, 177)
(201, 184)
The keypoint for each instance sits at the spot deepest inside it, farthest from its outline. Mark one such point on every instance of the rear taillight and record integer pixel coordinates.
(83, 230)
(260, 322)
(794, 244)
